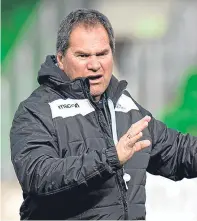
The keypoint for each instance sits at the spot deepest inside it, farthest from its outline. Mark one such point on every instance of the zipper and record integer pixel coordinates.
(120, 173)
(106, 113)
(89, 97)
(126, 178)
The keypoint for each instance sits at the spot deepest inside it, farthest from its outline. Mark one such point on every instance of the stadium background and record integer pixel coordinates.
(156, 51)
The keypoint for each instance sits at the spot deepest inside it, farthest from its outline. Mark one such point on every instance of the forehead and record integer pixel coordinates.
(89, 38)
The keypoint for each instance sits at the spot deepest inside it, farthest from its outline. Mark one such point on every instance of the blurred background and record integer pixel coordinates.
(156, 52)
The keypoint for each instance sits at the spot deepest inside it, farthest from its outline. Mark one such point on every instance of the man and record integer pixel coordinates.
(80, 144)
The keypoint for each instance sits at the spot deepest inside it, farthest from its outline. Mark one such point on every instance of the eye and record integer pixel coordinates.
(102, 54)
(83, 55)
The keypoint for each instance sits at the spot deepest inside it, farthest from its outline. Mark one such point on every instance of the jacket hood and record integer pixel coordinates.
(50, 74)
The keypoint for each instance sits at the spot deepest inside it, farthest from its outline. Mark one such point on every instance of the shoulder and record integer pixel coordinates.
(127, 103)
(34, 113)
(38, 103)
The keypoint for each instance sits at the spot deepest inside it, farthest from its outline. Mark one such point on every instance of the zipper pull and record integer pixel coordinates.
(126, 178)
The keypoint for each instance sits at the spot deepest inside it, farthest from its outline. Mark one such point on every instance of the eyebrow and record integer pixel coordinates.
(103, 52)
(98, 53)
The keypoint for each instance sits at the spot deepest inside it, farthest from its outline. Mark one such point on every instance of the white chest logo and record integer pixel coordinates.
(125, 104)
(70, 107)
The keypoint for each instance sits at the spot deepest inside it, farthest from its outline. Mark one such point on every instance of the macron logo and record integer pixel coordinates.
(62, 106)
(70, 107)
(125, 104)
(120, 107)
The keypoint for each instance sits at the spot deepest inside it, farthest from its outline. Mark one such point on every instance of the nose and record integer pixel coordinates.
(93, 64)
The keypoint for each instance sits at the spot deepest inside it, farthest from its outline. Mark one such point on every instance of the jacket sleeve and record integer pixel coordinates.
(173, 155)
(37, 162)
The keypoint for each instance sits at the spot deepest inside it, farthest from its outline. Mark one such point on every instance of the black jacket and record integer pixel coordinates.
(63, 151)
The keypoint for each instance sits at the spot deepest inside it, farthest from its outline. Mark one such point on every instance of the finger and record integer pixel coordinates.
(140, 122)
(146, 118)
(141, 145)
(138, 126)
(133, 140)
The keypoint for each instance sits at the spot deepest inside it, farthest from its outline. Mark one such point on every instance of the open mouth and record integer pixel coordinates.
(94, 77)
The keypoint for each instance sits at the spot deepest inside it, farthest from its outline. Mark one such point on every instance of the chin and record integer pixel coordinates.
(96, 92)
(96, 95)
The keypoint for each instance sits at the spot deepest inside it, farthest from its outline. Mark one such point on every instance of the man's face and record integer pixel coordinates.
(89, 55)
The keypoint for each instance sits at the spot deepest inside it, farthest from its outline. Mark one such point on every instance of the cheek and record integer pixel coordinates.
(108, 68)
(74, 68)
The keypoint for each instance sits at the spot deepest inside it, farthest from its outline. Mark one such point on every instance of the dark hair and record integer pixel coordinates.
(87, 17)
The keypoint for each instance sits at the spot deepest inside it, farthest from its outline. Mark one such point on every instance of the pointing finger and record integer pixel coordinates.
(139, 126)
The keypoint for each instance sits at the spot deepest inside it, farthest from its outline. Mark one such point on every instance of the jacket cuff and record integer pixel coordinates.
(112, 158)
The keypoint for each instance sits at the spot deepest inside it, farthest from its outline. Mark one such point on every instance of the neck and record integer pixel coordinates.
(96, 98)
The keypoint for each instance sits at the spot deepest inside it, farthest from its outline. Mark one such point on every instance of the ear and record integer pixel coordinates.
(60, 61)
